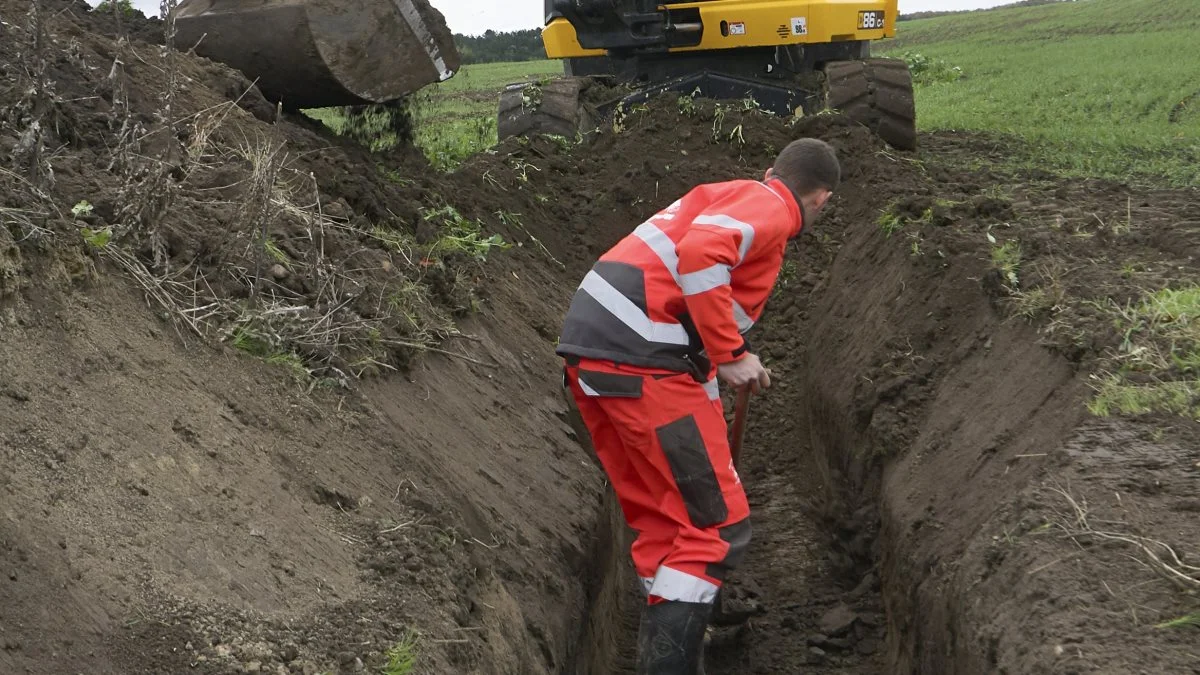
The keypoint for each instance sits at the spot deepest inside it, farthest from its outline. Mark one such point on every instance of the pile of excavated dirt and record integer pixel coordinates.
(929, 492)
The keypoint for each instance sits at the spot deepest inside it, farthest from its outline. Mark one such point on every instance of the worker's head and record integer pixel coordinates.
(810, 169)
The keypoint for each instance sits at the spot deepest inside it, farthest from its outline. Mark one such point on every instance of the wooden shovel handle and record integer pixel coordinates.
(741, 408)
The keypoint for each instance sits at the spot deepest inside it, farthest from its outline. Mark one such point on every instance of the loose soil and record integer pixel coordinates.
(171, 504)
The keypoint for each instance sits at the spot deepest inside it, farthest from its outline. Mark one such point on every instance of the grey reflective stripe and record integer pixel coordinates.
(583, 386)
(661, 244)
(673, 585)
(711, 277)
(744, 322)
(628, 313)
(713, 388)
(720, 220)
(647, 582)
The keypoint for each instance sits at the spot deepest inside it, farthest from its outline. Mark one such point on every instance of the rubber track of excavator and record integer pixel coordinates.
(877, 93)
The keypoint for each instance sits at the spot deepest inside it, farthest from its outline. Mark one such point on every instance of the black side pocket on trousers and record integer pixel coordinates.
(611, 385)
(693, 471)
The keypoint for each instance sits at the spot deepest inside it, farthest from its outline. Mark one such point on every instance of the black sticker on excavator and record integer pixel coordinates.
(684, 447)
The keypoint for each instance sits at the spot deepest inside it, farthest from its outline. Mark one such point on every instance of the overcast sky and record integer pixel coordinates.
(475, 16)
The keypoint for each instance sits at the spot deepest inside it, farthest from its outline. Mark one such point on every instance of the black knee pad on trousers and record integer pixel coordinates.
(737, 536)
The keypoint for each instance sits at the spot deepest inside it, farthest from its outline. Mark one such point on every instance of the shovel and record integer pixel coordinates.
(741, 409)
(723, 613)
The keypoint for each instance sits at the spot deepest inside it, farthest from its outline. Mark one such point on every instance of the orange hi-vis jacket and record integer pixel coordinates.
(682, 289)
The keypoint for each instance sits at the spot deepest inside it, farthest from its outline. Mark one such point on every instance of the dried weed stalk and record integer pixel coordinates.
(166, 10)
(38, 210)
(1159, 556)
(34, 110)
(266, 158)
(152, 183)
(120, 118)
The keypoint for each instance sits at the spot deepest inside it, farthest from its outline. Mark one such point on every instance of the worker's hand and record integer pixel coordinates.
(746, 371)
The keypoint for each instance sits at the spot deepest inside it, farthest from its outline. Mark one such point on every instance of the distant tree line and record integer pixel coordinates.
(493, 47)
(929, 15)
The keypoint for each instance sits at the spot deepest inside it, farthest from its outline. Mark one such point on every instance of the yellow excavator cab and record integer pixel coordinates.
(742, 24)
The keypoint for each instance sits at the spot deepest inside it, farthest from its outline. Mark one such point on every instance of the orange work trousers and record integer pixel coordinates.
(661, 438)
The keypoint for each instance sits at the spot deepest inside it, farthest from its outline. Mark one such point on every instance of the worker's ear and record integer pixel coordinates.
(817, 199)
(824, 197)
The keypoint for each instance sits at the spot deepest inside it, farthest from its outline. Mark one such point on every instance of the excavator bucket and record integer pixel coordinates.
(321, 53)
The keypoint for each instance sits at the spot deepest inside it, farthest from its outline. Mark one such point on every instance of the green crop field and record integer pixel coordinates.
(1095, 87)
(491, 77)
(456, 118)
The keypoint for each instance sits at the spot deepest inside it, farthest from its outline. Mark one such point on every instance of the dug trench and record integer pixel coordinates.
(930, 492)
(924, 476)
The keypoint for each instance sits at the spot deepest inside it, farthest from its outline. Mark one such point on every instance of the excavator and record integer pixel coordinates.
(792, 57)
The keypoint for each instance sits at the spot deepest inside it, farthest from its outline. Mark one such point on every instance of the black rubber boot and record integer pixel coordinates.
(671, 638)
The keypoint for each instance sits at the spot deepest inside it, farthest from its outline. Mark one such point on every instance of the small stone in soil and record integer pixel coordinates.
(289, 653)
(838, 621)
(816, 655)
(840, 643)
(869, 584)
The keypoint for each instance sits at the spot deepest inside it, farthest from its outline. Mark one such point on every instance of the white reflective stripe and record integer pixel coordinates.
(628, 313)
(744, 322)
(661, 244)
(586, 389)
(671, 584)
(694, 283)
(777, 196)
(647, 582)
(713, 387)
(732, 224)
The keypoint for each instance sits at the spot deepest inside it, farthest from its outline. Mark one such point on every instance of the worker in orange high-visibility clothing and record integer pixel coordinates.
(654, 325)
